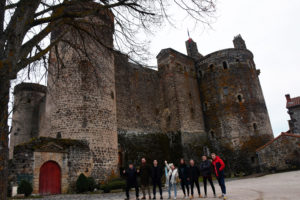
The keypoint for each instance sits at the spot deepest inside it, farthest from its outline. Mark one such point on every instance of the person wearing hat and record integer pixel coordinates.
(171, 178)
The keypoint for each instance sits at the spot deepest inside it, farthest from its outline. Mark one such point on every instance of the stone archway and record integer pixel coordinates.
(50, 178)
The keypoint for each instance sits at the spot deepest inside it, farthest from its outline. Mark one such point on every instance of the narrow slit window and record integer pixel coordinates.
(255, 126)
(240, 98)
(225, 65)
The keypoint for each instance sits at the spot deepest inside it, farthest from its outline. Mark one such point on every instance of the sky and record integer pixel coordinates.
(271, 30)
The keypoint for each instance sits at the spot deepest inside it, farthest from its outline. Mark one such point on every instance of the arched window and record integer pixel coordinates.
(225, 65)
(240, 98)
(58, 135)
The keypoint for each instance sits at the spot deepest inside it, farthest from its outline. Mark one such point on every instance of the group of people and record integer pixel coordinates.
(188, 176)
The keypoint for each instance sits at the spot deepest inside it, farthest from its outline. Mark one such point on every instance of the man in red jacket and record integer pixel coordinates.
(219, 171)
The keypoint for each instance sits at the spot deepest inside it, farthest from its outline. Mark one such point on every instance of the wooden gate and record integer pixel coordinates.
(50, 178)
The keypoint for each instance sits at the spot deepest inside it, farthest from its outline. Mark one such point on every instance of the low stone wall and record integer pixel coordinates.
(282, 153)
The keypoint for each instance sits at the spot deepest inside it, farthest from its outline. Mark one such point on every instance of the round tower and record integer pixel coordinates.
(81, 100)
(233, 101)
(27, 112)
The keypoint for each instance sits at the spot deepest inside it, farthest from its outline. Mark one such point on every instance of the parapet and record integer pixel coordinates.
(30, 87)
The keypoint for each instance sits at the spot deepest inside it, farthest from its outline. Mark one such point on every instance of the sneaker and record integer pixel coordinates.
(221, 196)
(161, 197)
(150, 197)
(215, 196)
(224, 197)
(191, 197)
(143, 197)
(154, 197)
(200, 196)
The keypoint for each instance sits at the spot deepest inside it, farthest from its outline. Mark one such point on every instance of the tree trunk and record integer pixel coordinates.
(4, 99)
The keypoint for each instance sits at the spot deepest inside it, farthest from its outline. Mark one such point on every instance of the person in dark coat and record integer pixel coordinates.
(205, 169)
(145, 171)
(183, 176)
(131, 180)
(193, 178)
(219, 167)
(156, 175)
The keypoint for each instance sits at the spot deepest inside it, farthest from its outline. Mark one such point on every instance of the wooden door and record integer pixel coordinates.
(50, 178)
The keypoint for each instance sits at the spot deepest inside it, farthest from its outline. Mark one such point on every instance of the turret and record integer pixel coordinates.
(27, 112)
(239, 43)
(192, 50)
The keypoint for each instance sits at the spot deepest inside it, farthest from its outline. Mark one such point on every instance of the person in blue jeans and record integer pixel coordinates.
(219, 167)
(171, 177)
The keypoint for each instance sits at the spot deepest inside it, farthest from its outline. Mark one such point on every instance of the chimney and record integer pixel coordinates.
(288, 97)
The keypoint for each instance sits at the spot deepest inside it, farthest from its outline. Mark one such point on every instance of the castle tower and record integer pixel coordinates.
(192, 49)
(81, 82)
(182, 110)
(233, 102)
(239, 42)
(29, 101)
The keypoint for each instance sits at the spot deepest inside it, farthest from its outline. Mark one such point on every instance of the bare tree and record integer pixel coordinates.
(25, 26)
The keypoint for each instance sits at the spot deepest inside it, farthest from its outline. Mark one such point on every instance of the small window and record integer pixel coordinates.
(212, 134)
(112, 95)
(255, 126)
(169, 119)
(58, 135)
(190, 95)
(28, 100)
(253, 160)
(200, 74)
(240, 98)
(225, 90)
(225, 65)
(211, 67)
(138, 108)
(205, 105)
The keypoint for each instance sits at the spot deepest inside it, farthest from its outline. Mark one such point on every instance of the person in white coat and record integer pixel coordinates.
(171, 177)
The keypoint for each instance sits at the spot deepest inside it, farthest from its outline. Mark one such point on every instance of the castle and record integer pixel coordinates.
(99, 112)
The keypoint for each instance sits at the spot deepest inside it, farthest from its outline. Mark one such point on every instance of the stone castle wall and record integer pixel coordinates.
(294, 122)
(282, 153)
(137, 96)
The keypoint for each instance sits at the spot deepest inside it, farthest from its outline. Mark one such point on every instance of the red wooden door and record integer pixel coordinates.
(50, 178)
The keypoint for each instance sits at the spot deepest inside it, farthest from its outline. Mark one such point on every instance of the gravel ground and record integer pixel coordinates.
(279, 186)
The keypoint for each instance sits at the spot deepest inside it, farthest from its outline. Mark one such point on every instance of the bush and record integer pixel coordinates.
(113, 184)
(25, 188)
(85, 184)
(81, 184)
(91, 184)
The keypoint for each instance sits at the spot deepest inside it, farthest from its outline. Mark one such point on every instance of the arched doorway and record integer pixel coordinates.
(50, 178)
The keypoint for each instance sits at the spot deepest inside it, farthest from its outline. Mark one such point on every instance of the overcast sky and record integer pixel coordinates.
(271, 29)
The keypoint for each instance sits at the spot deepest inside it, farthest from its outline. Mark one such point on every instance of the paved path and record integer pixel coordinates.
(281, 186)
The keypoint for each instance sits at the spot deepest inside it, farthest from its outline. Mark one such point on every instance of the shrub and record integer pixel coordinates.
(81, 184)
(91, 184)
(113, 184)
(25, 188)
